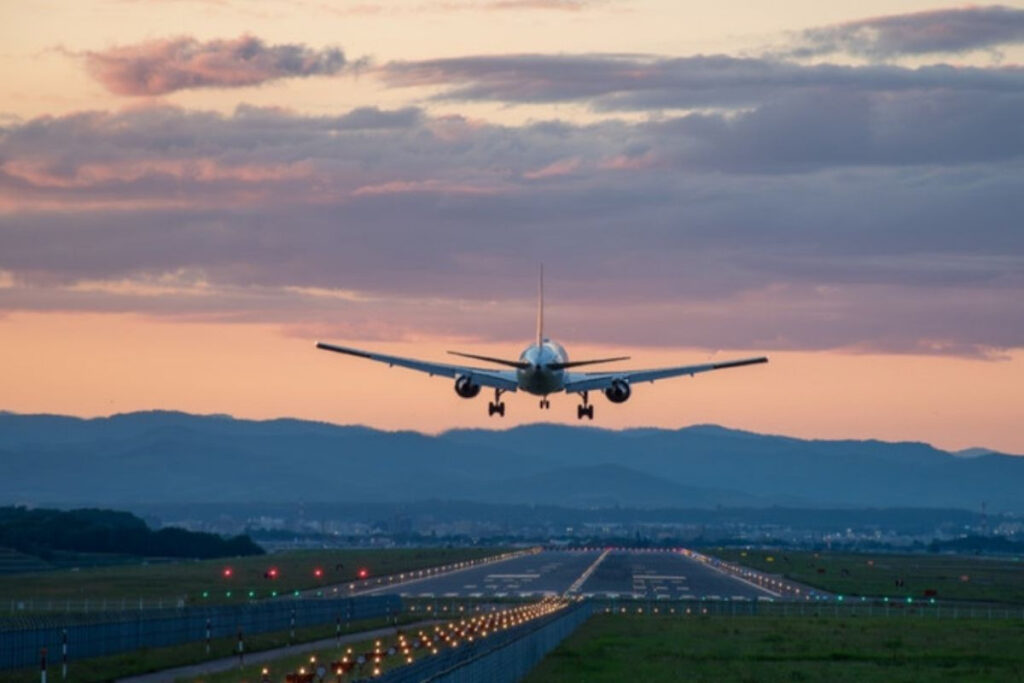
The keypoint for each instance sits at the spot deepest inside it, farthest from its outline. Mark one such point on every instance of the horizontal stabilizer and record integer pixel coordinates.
(577, 363)
(500, 361)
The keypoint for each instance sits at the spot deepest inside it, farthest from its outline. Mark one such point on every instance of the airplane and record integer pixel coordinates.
(541, 370)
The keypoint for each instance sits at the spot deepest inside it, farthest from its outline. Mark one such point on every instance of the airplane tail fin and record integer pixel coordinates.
(540, 307)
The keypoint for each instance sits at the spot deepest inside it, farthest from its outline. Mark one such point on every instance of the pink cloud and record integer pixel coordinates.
(561, 167)
(163, 66)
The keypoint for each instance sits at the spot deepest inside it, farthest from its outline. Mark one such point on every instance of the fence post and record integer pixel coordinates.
(207, 636)
(241, 649)
(42, 665)
(64, 654)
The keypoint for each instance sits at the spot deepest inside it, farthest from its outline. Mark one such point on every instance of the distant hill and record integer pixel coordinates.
(973, 452)
(155, 457)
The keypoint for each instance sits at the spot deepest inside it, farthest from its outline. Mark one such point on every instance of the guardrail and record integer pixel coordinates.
(113, 633)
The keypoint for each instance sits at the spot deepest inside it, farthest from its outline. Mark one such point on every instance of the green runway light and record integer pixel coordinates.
(273, 594)
(296, 593)
(227, 594)
(206, 594)
(839, 598)
(252, 594)
(909, 599)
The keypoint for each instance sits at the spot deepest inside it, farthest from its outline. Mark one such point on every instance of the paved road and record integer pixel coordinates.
(663, 575)
(546, 573)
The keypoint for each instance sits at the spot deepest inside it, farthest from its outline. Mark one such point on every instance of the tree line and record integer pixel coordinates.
(40, 532)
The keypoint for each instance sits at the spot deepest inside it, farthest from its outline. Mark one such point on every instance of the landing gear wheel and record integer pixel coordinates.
(497, 405)
(545, 404)
(585, 408)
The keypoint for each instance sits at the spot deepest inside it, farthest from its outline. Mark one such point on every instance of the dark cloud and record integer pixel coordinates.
(800, 223)
(625, 82)
(162, 66)
(936, 31)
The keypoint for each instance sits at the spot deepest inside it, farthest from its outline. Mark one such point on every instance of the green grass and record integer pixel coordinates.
(658, 648)
(156, 659)
(191, 579)
(952, 577)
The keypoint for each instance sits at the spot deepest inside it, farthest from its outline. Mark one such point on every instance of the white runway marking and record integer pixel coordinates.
(659, 577)
(513, 576)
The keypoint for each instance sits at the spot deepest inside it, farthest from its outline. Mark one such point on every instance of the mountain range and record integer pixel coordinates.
(154, 457)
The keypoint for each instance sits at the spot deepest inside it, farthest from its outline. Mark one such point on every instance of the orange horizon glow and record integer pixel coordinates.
(92, 365)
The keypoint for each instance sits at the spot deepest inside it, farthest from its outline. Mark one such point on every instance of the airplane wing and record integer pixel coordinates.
(591, 381)
(499, 379)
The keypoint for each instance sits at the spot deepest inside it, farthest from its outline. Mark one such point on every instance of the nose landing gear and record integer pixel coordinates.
(497, 405)
(545, 404)
(585, 408)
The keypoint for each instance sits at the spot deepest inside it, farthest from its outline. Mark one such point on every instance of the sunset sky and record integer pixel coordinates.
(194, 191)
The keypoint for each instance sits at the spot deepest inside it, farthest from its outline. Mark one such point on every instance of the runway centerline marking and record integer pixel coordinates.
(578, 583)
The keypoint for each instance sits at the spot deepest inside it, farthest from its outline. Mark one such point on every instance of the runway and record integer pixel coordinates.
(620, 574)
(663, 575)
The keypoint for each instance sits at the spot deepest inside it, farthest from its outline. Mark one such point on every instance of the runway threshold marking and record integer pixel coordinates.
(660, 577)
(578, 583)
(513, 576)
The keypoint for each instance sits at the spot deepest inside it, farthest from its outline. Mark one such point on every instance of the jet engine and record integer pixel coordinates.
(465, 388)
(619, 391)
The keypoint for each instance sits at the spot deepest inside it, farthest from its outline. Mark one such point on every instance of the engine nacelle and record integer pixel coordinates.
(619, 391)
(465, 388)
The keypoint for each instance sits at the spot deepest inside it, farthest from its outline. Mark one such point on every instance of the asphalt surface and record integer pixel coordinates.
(546, 573)
(665, 576)
(622, 573)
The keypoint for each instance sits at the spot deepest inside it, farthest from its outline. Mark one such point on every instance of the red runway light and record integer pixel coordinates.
(363, 573)
(318, 572)
(228, 572)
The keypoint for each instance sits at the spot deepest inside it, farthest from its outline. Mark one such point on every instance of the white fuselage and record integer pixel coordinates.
(538, 378)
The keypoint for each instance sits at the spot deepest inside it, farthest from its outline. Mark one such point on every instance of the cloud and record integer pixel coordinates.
(936, 31)
(637, 82)
(159, 67)
(852, 223)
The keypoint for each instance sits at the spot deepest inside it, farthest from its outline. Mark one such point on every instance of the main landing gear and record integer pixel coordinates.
(497, 405)
(585, 408)
(545, 404)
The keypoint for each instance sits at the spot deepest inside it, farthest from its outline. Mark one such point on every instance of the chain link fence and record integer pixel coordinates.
(112, 633)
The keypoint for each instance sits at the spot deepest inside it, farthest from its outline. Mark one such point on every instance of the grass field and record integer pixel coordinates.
(951, 577)
(653, 648)
(191, 580)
